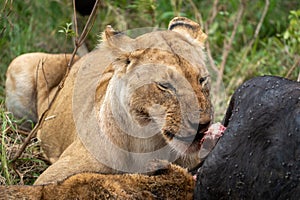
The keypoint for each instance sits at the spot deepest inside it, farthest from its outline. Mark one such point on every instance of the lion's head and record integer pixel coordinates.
(155, 91)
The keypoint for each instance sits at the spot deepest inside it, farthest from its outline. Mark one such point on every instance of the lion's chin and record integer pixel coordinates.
(186, 148)
(193, 148)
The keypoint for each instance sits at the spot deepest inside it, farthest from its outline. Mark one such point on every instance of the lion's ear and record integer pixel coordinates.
(188, 28)
(108, 33)
(115, 38)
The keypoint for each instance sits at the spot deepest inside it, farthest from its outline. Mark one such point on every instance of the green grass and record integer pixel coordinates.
(31, 26)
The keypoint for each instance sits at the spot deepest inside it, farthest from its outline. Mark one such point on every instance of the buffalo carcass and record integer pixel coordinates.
(258, 157)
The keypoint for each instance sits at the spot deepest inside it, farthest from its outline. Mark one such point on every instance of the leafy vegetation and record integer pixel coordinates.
(243, 43)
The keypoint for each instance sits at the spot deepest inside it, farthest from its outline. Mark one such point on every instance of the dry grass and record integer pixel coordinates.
(28, 167)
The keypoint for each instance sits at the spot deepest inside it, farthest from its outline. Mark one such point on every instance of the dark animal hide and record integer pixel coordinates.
(258, 157)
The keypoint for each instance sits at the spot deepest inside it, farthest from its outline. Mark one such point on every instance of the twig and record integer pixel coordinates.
(75, 19)
(198, 15)
(21, 176)
(206, 28)
(297, 63)
(89, 23)
(228, 44)
(43, 116)
(258, 27)
(41, 64)
(2, 31)
(213, 14)
(256, 33)
(210, 58)
(79, 41)
(27, 139)
(22, 132)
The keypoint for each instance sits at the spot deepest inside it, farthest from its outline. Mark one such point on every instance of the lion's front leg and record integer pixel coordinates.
(75, 159)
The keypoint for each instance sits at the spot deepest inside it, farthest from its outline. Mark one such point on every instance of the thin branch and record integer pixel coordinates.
(22, 132)
(198, 15)
(256, 33)
(228, 44)
(213, 14)
(210, 58)
(2, 31)
(43, 116)
(296, 64)
(79, 41)
(258, 27)
(41, 63)
(89, 23)
(206, 28)
(21, 176)
(26, 142)
(75, 21)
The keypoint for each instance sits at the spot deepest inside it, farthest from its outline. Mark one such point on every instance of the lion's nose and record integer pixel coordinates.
(204, 122)
(202, 125)
(205, 118)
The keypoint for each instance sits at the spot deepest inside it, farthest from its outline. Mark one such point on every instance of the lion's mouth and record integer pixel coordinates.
(201, 129)
(200, 135)
(192, 142)
(191, 139)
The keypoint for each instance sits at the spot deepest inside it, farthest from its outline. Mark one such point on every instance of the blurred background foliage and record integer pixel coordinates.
(27, 26)
(242, 42)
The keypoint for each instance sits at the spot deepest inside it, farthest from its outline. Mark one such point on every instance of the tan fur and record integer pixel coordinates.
(188, 27)
(32, 78)
(117, 58)
(173, 183)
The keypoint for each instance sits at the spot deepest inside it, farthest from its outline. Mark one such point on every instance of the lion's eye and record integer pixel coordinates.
(127, 61)
(166, 86)
(202, 80)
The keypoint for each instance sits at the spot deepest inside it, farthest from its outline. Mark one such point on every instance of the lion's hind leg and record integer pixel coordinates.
(30, 78)
(20, 87)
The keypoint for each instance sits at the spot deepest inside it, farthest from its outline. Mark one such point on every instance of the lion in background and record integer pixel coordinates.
(111, 94)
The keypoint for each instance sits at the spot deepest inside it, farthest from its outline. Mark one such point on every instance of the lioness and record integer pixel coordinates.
(124, 104)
